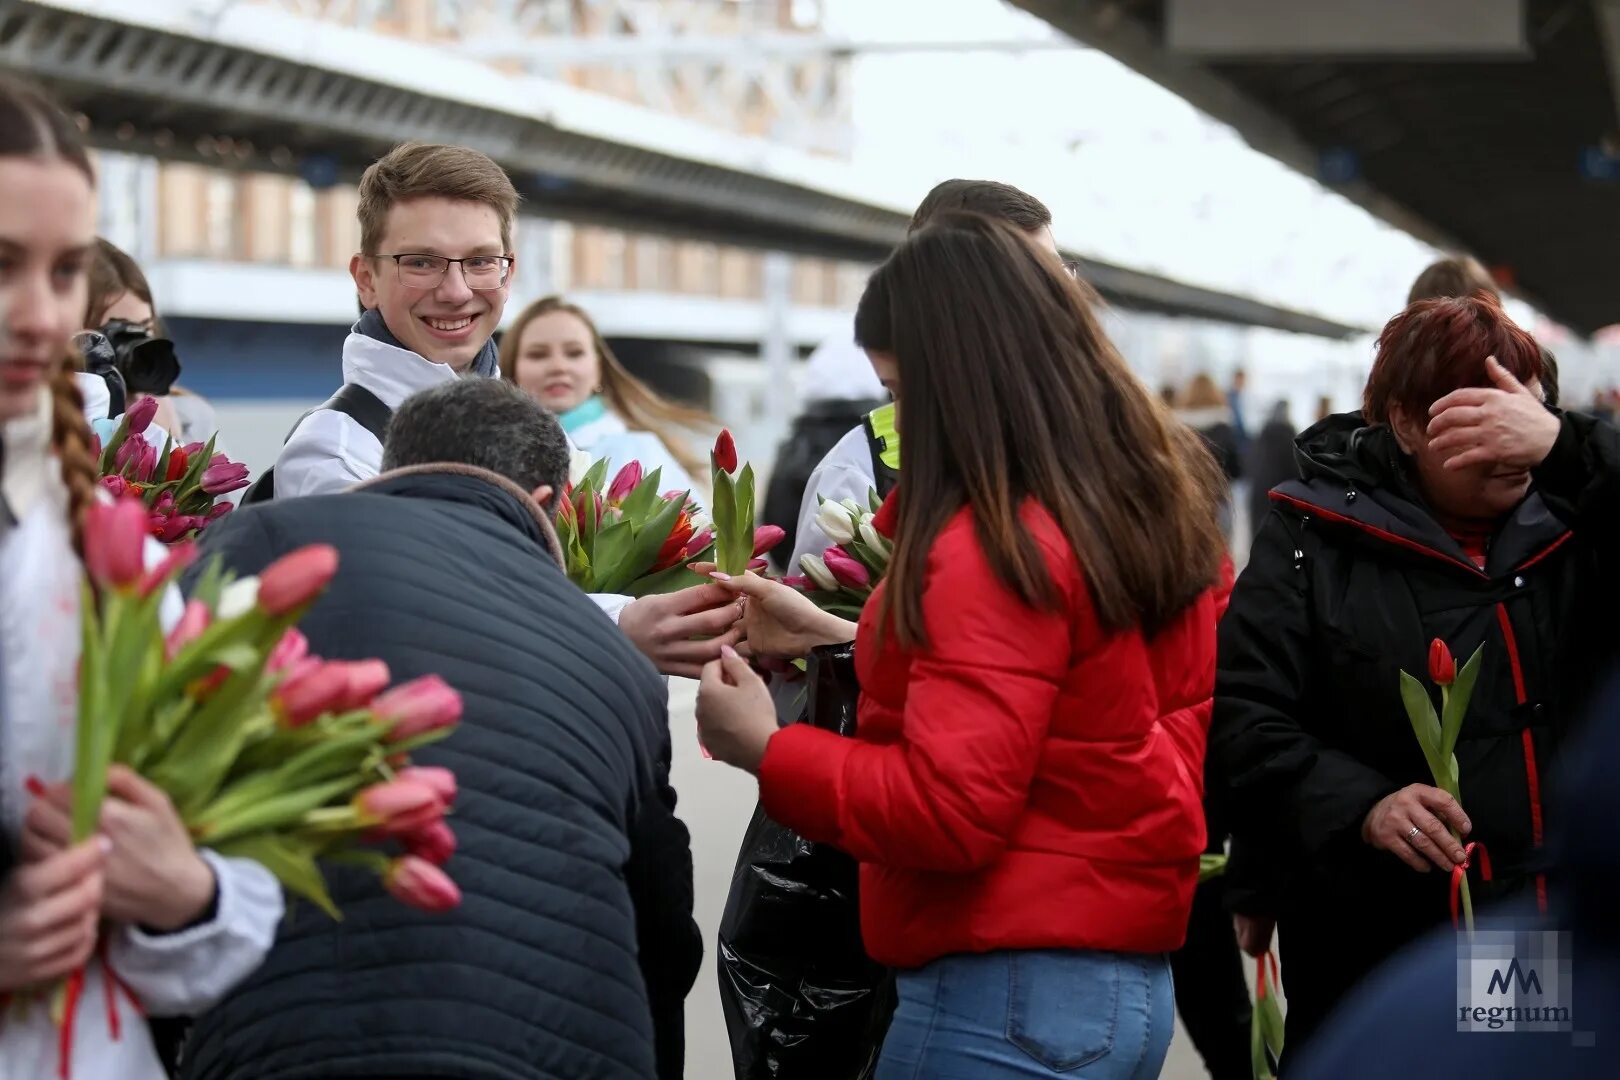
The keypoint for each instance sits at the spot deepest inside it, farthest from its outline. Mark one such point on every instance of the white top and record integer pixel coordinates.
(174, 974)
(847, 472)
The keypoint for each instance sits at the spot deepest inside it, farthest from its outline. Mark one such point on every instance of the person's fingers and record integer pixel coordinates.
(49, 822)
(63, 951)
(46, 915)
(1505, 379)
(62, 871)
(750, 584)
(1402, 848)
(694, 653)
(1462, 416)
(702, 569)
(700, 598)
(1478, 455)
(711, 680)
(739, 672)
(1467, 396)
(1443, 806)
(709, 622)
(125, 783)
(1433, 841)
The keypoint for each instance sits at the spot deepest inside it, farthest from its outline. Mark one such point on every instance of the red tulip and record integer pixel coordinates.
(434, 842)
(170, 527)
(803, 584)
(441, 780)
(725, 452)
(416, 707)
(165, 503)
(398, 806)
(304, 696)
(140, 414)
(624, 483)
(698, 543)
(223, 478)
(194, 448)
(292, 648)
(1442, 668)
(846, 568)
(367, 679)
(297, 579)
(114, 540)
(177, 465)
(219, 510)
(193, 621)
(179, 557)
(674, 546)
(129, 454)
(767, 537)
(413, 880)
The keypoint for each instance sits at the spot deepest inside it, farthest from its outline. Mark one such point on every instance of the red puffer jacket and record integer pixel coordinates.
(1027, 781)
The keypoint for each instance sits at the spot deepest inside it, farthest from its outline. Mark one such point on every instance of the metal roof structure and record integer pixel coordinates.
(254, 87)
(1514, 159)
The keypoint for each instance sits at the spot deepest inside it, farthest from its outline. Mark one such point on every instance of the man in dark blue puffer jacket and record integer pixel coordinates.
(576, 877)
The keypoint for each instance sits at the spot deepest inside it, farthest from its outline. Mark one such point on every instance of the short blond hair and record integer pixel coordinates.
(416, 170)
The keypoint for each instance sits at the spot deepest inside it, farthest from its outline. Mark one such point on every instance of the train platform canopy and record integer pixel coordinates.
(1485, 126)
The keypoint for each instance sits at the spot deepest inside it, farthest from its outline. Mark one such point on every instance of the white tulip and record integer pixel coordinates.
(816, 568)
(834, 521)
(579, 463)
(238, 598)
(875, 543)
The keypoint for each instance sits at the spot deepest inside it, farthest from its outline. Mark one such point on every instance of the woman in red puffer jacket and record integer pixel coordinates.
(1024, 795)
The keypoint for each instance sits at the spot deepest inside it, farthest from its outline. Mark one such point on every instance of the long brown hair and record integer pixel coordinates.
(1013, 391)
(640, 406)
(32, 125)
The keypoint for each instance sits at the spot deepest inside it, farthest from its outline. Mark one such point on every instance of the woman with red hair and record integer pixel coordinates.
(1456, 506)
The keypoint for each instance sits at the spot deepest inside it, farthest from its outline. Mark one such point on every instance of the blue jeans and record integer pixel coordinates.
(1023, 1013)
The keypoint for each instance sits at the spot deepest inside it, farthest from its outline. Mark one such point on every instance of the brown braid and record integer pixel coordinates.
(70, 442)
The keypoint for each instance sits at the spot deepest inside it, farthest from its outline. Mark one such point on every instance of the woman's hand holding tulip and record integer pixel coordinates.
(1391, 823)
(154, 877)
(735, 716)
(49, 913)
(782, 622)
(1506, 424)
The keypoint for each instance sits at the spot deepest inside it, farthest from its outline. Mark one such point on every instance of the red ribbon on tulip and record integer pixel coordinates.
(1461, 869)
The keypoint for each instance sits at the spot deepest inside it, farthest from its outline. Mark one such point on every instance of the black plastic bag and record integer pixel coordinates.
(802, 1000)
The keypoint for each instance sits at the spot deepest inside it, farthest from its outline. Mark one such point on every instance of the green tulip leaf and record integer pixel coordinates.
(1457, 702)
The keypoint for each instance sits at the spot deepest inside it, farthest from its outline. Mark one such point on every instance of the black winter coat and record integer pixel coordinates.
(1349, 580)
(570, 860)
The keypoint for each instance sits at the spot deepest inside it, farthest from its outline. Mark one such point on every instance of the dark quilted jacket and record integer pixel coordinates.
(564, 818)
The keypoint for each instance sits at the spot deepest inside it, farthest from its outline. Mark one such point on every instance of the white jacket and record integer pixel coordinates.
(612, 439)
(174, 974)
(847, 472)
(331, 452)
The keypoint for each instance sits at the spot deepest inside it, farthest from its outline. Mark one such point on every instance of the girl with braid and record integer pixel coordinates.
(159, 927)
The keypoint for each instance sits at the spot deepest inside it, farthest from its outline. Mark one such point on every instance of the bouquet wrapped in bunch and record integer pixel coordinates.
(626, 537)
(181, 486)
(841, 579)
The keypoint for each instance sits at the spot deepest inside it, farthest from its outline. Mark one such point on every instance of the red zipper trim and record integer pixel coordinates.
(1374, 530)
(1532, 774)
(1546, 551)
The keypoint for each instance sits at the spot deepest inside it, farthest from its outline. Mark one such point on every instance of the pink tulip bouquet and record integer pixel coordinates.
(627, 538)
(841, 579)
(181, 486)
(267, 751)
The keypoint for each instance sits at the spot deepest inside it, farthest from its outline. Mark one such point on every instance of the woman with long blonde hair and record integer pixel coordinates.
(555, 353)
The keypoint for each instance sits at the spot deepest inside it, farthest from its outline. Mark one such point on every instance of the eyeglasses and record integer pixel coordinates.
(481, 272)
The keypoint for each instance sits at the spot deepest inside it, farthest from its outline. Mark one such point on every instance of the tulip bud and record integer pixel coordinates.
(238, 598)
(292, 647)
(879, 547)
(725, 452)
(398, 806)
(367, 679)
(223, 478)
(219, 510)
(624, 483)
(304, 697)
(803, 584)
(139, 415)
(177, 466)
(699, 542)
(114, 542)
(416, 707)
(434, 842)
(193, 621)
(128, 457)
(440, 779)
(146, 461)
(413, 880)
(297, 579)
(847, 569)
(114, 485)
(1442, 668)
(192, 449)
(816, 568)
(833, 520)
(767, 537)
(758, 565)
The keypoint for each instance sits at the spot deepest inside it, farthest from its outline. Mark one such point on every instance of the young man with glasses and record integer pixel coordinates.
(433, 272)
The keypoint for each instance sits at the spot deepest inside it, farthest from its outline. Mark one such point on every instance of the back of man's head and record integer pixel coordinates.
(1451, 278)
(416, 170)
(988, 197)
(488, 423)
